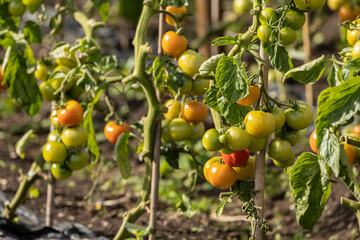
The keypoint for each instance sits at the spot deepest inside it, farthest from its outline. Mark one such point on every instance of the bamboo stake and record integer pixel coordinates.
(202, 23)
(307, 49)
(216, 12)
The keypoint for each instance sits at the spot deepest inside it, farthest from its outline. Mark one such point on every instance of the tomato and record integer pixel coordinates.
(197, 131)
(173, 44)
(247, 171)
(280, 149)
(287, 35)
(16, 8)
(54, 119)
(347, 57)
(252, 97)
(76, 92)
(208, 165)
(74, 136)
(65, 61)
(174, 109)
(57, 82)
(352, 36)
(226, 150)
(237, 139)
(61, 68)
(112, 131)
(31, 3)
(312, 141)
(41, 72)
(199, 86)
(279, 117)
(71, 115)
(77, 160)
(307, 5)
(350, 153)
(335, 4)
(210, 140)
(165, 133)
(54, 136)
(236, 159)
(177, 11)
(356, 51)
(285, 164)
(295, 19)
(179, 129)
(186, 88)
(257, 144)
(190, 62)
(300, 117)
(60, 171)
(47, 92)
(242, 6)
(54, 152)
(2, 84)
(356, 129)
(221, 175)
(264, 33)
(292, 136)
(260, 124)
(345, 12)
(194, 111)
(268, 16)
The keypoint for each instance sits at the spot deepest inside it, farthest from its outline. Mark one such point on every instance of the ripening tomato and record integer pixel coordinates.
(179, 12)
(60, 171)
(194, 111)
(280, 150)
(41, 72)
(268, 16)
(287, 35)
(312, 141)
(77, 160)
(54, 136)
(32, 3)
(236, 159)
(300, 117)
(242, 6)
(247, 171)
(285, 164)
(237, 139)
(279, 117)
(74, 136)
(350, 153)
(221, 175)
(2, 84)
(173, 44)
(260, 124)
(208, 165)
(292, 136)
(71, 115)
(252, 97)
(345, 12)
(335, 4)
(352, 36)
(197, 131)
(356, 129)
(112, 130)
(16, 8)
(174, 109)
(57, 82)
(257, 144)
(54, 152)
(199, 86)
(307, 5)
(179, 129)
(190, 62)
(295, 19)
(356, 51)
(210, 140)
(264, 33)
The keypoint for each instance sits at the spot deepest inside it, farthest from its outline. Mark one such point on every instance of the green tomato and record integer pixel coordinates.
(60, 171)
(279, 117)
(16, 8)
(54, 152)
(74, 136)
(186, 88)
(226, 150)
(260, 124)
(307, 5)
(179, 129)
(237, 139)
(285, 164)
(242, 6)
(47, 91)
(287, 35)
(292, 136)
(264, 32)
(41, 72)
(257, 144)
(197, 131)
(268, 16)
(54, 136)
(77, 160)
(56, 83)
(190, 62)
(210, 140)
(300, 117)
(32, 3)
(295, 19)
(356, 51)
(65, 61)
(280, 149)
(200, 86)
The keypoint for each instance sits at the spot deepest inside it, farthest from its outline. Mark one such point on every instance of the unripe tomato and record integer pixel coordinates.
(237, 139)
(2, 84)
(236, 159)
(356, 129)
(279, 117)
(312, 141)
(174, 109)
(41, 72)
(280, 149)
(54, 136)
(186, 88)
(47, 91)
(226, 150)
(60, 171)
(287, 35)
(295, 19)
(260, 124)
(74, 136)
(221, 175)
(345, 12)
(242, 6)
(335, 4)
(54, 119)
(252, 97)
(356, 51)
(77, 160)
(199, 86)
(112, 131)
(352, 36)
(31, 3)
(350, 153)
(61, 68)
(307, 5)
(285, 164)
(71, 115)
(268, 16)
(179, 129)
(173, 44)
(165, 133)
(257, 144)
(16, 8)
(208, 165)
(247, 171)
(299, 118)
(292, 136)
(54, 152)
(65, 61)
(190, 62)
(194, 111)
(210, 140)
(197, 131)
(264, 33)
(57, 82)
(177, 11)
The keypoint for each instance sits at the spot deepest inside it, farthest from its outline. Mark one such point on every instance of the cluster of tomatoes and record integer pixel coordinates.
(63, 147)
(345, 11)
(235, 142)
(18, 7)
(352, 36)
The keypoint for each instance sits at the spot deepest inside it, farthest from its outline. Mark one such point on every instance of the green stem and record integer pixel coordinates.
(353, 205)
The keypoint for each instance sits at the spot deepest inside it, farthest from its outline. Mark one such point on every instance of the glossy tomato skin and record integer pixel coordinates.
(221, 175)
(236, 159)
(74, 136)
(300, 118)
(352, 36)
(335, 4)
(54, 119)
(165, 133)
(199, 86)
(252, 97)
(190, 62)
(177, 11)
(41, 72)
(208, 165)
(268, 16)
(60, 171)
(237, 139)
(71, 115)
(312, 141)
(247, 171)
(356, 129)
(210, 140)
(32, 3)
(54, 136)
(345, 13)
(54, 152)
(259, 124)
(197, 131)
(226, 150)
(2, 84)
(242, 6)
(174, 108)
(66, 62)
(179, 129)
(257, 144)
(295, 19)
(287, 35)
(112, 131)
(350, 153)
(356, 51)
(173, 44)
(264, 33)
(280, 149)
(77, 160)
(285, 164)
(47, 91)
(186, 88)
(279, 117)
(292, 136)
(307, 5)
(194, 111)
(16, 8)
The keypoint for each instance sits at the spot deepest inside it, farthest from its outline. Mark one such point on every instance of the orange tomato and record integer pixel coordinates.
(113, 130)
(194, 111)
(345, 12)
(177, 11)
(252, 97)
(312, 141)
(356, 129)
(350, 153)
(173, 44)
(71, 115)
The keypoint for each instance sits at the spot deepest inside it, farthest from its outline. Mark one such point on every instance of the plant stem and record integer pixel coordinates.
(353, 205)
(307, 48)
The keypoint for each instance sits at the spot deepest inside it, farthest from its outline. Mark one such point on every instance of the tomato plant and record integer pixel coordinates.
(16, 8)
(242, 6)
(306, 5)
(211, 141)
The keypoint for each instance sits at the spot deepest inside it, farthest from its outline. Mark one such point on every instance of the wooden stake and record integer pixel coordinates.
(307, 49)
(216, 15)
(203, 22)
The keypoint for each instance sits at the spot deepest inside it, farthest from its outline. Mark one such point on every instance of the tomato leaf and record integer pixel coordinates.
(23, 141)
(353, 65)
(226, 40)
(278, 57)
(6, 20)
(335, 78)
(210, 65)
(308, 73)
(309, 179)
(332, 157)
(158, 71)
(220, 209)
(103, 8)
(32, 32)
(121, 154)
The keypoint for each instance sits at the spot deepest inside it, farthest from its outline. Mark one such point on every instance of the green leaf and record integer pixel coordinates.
(332, 157)
(210, 65)
(32, 32)
(130, 10)
(7, 21)
(23, 141)
(335, 78)
(121, 154)
(103, 7)
(158, 71)
(308, 73)
(353, 65)
(278, 57)
(306, 179)
(172, 157)
(222, 41)
(220, 209)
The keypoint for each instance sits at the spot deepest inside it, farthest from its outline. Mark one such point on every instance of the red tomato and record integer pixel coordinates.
(236, 159)
(71, 115)
(113, 130)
